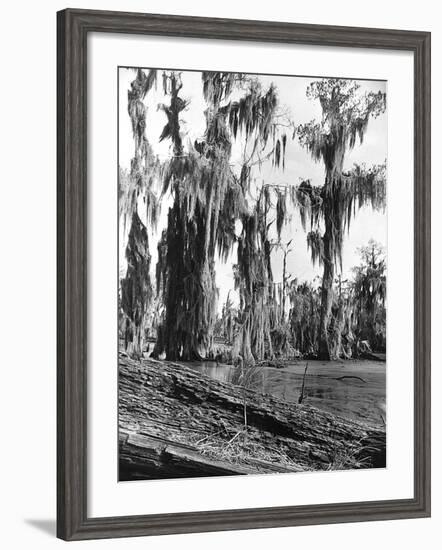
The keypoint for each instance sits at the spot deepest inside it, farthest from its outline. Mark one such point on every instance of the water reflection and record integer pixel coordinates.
(223, 373)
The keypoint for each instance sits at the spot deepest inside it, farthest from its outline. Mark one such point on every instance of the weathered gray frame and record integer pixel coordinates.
(73, 27)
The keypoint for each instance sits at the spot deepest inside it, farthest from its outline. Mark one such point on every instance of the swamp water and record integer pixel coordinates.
(351, 389)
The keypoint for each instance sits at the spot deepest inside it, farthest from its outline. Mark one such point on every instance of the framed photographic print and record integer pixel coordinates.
(243, 274)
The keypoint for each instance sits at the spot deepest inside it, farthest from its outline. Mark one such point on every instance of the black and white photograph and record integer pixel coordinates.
(252, 273)
(218, 255)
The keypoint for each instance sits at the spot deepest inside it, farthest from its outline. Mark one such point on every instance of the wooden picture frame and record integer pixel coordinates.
(73, 27)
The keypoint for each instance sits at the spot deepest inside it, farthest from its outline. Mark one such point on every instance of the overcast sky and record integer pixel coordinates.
(298, 166)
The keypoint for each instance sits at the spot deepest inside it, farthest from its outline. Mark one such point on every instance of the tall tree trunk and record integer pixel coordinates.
(324, 352)
(136, 290)
(185, 330)
(190, 291)
(337, 350)
(175, 281)
(345, 115)
(284, 270)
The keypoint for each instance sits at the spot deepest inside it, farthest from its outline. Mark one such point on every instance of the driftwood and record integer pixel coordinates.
(348, 377)
(168, 413)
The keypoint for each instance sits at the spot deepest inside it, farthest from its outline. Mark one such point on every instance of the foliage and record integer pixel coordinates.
(253, 280)
(136, 292)
(369, 294)
(218, 209)
(304, 317)
(209, 198)
(358, 314)
(185, 273)
(345, 116)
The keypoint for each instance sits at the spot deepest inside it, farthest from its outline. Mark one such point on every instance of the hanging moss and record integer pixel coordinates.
(254, 282)
(304, 317)
(316, 246)
(281, 210)
(136, 291)
(369, 295)
(262, 330)
(345, 116)
(139, 183)
(208, 199)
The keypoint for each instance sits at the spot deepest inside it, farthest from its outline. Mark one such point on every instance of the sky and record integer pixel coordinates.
(298, 166)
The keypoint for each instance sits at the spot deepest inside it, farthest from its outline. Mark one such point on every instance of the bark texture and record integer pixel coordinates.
(174, 410)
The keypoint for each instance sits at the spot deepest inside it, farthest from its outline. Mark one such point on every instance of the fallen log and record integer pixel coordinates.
(144, 457)
(186, 420)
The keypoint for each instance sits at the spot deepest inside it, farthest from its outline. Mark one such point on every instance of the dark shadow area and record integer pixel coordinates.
(47, 526)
